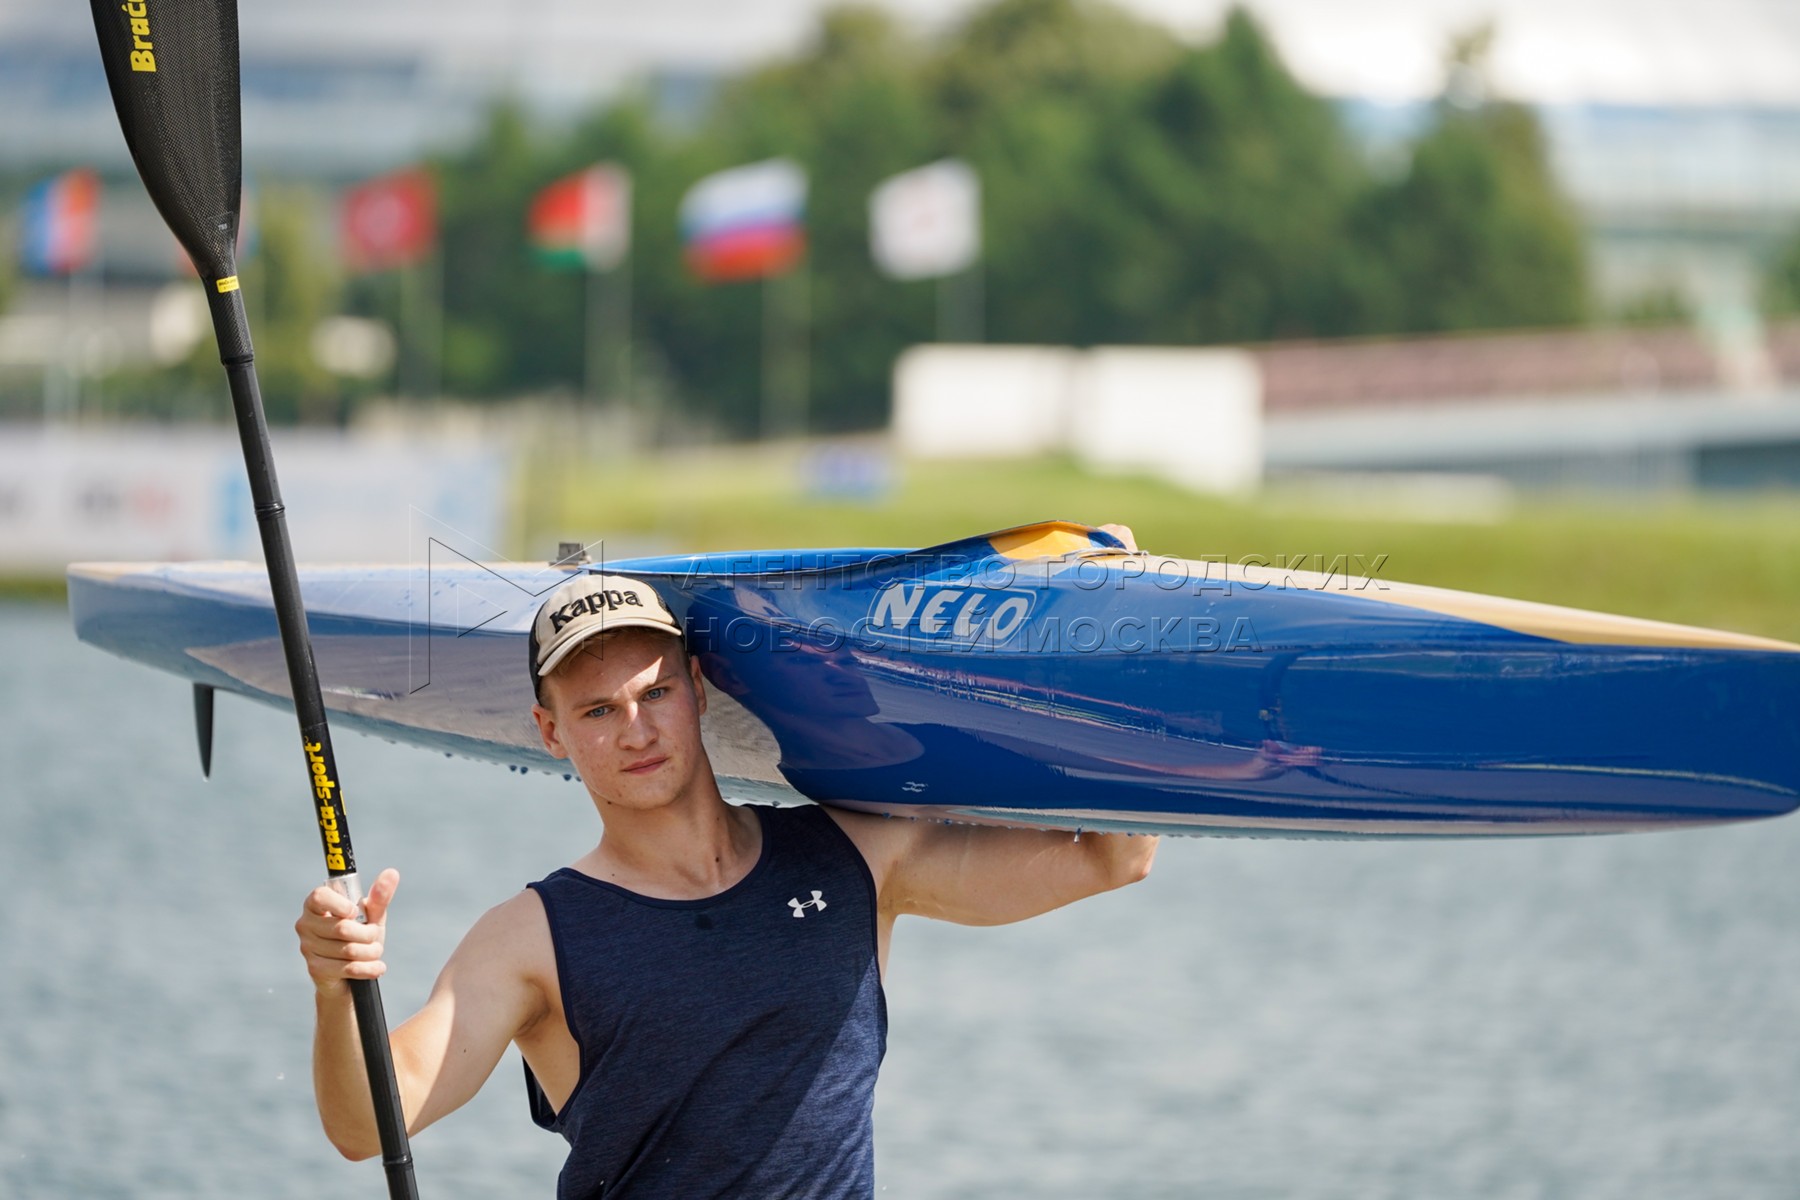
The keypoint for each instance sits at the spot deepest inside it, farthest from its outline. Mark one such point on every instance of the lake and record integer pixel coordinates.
(1601, 1017)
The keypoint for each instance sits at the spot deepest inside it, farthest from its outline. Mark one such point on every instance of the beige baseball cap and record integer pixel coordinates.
(589, 605)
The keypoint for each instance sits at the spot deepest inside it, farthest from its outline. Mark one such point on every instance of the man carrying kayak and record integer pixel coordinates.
(698, 998)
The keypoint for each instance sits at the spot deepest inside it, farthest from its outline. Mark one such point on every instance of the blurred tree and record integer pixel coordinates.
(1781, 282)
(507, 324)
(1134, 190)
(1661, 304)
(9, 273)
(1476, 234)
(301, 286)
(1029, 91)
(1238, 183)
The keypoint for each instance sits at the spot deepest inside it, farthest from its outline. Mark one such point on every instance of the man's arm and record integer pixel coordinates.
(980, 875)
(484, 997)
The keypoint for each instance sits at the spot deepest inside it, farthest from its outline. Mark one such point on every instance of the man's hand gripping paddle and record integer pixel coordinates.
(173, 69)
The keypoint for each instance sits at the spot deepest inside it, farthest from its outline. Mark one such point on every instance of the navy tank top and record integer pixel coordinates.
(729, 1045)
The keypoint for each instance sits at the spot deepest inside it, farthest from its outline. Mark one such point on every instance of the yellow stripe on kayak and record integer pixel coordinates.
(1576, 625)
(1052, 539)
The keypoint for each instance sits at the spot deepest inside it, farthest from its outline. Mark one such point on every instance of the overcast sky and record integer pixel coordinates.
(1630, 51)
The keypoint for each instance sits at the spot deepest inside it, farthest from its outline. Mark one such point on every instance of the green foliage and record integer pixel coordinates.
(8, 276)
(1781, 284)
(1135, 189)
(1475, 235)
(296, 286)
(1660, 304)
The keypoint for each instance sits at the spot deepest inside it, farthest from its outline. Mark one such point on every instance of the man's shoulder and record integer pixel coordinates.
(881, 840)
(515, 932)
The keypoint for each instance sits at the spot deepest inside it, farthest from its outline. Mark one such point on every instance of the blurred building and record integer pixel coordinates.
(1652, 409)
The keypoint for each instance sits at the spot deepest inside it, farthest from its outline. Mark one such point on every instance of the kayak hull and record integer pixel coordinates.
(1045, 677)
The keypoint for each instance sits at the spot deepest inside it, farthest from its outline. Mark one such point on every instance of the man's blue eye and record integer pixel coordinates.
(656, 693)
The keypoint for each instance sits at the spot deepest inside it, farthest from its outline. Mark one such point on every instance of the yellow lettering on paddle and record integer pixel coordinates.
(143, 53)
(323, 787)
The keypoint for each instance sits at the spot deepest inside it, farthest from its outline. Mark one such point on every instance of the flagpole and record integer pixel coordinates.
(769, 370)
(975, 300)
(802, 345)
(787, 349)
(592, 335)
(623, 283)
(94, 344)
(405, 365)
(434, 316)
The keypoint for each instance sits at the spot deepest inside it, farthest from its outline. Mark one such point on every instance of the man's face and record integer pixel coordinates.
(625, 710)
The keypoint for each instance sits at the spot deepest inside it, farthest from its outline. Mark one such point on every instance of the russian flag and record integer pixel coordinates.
(60, 224)
(745, 223)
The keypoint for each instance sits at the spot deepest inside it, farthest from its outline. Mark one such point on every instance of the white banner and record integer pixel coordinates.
(178, 494)
(927, 222)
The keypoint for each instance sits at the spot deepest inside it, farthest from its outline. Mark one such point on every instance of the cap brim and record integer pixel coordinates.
(562, 648)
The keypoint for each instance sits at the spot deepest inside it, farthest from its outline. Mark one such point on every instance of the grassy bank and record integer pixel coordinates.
(47, 589)
(1727, 563)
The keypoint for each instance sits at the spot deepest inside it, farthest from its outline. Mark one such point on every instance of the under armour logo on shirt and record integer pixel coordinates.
(800, 906)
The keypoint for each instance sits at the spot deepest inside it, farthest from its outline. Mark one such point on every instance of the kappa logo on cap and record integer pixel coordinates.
(593, 606)
(595, 603)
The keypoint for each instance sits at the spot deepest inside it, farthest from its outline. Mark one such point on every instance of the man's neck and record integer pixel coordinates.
(684, 851)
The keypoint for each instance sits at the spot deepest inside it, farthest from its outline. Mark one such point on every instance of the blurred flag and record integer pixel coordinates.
(583, 220)
(59, 225)
(745, 223)
(389, 222)
(926, 222)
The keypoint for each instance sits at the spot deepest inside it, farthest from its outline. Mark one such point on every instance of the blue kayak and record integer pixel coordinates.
(1046, 676)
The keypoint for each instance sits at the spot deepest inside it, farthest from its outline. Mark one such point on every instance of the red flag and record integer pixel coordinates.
(390, 221)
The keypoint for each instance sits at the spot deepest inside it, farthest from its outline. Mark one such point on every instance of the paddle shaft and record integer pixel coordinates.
(233, 331)
(172, 69)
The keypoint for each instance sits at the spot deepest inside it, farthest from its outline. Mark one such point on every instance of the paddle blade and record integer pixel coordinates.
(173, 69)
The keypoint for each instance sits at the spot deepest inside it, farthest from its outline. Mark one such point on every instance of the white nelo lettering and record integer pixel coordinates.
(896, 605)
(931, 620)
(965, 616)
(1007, 618)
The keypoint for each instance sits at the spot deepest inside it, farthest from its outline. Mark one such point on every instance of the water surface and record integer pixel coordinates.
(1595, 1018)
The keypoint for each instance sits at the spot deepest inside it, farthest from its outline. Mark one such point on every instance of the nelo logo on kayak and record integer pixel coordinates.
(594, 603)
(951, 614)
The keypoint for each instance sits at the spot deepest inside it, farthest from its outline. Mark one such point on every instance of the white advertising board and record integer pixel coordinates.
(178, 494)
(1191, 416)
(982, 401)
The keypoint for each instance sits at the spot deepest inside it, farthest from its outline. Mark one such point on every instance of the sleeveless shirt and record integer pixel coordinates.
(728, 1045)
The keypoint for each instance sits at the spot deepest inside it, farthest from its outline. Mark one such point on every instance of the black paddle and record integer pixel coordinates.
(173, 69)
